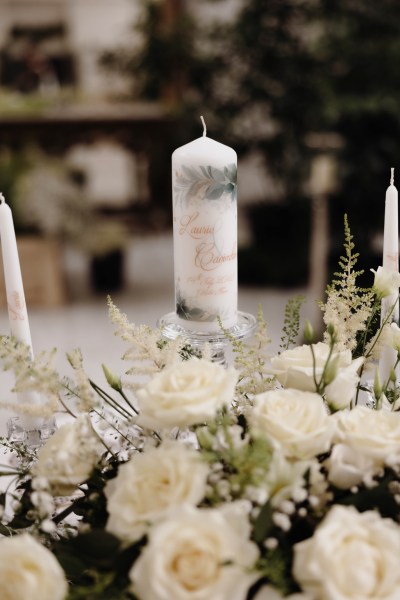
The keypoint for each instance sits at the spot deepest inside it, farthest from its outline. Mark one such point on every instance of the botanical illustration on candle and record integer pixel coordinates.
(205, 234)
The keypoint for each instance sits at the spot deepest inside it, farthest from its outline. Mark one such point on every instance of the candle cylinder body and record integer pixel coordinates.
(17, 311)
(205, 234)
(391, 246)
(391, 263)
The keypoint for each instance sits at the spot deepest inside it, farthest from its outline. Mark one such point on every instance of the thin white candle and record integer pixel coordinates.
(17, 311)
(205, 233)
(391, 263)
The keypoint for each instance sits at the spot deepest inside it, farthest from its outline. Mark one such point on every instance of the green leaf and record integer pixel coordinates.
(217, 174)
(214, 191)
(263, 524)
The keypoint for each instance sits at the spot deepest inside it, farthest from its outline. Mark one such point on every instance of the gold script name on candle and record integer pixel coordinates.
(195, 233)
(208, 258)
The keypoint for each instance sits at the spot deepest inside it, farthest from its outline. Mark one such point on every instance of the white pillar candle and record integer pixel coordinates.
(391, 263)
(205, 234)
(17, 311)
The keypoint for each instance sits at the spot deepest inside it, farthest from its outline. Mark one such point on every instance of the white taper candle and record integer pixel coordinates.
(390, 262)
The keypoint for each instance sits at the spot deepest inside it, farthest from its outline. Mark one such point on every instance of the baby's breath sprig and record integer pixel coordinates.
(148, 351)
(348, 307)
(291, 323)
(251, 360)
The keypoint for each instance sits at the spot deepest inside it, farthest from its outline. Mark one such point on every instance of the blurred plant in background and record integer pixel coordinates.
(268, 76)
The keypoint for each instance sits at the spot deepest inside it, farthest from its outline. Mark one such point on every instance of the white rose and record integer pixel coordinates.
(29, 571)
(151, 483)
(348, 467)
(343, 388)
(295, 368)
(351, 556)
(297, 420)
(68, 457)
(386, 282)
(394, 337)
(186, 394)
(196, 554)
(373, 433)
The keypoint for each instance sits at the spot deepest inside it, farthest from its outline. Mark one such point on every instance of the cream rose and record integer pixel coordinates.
(351, 556)
(348, 467)
(386, 282)
(297, 420)
(68, 457)
(267, 592)
(196, 554)
(151, 483)
(295, 368)
(185, 394)
(29, 571)
(340, 393)
(373, 433)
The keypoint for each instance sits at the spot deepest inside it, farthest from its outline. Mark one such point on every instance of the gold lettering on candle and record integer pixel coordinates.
(16, 307)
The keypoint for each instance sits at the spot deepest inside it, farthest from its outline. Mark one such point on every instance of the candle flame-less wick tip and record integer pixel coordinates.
(204, 125)
(392, 176)
(2, 199)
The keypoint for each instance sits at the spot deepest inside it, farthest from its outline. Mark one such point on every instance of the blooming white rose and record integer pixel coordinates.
(297, 420)
(373, 433)
(195, 554)
(186, 394)
(348, 467)
(343, 388)
(29, 571)
(68, 457)
(151, 483)
(351, 556)
(295, 368)
(386, 282)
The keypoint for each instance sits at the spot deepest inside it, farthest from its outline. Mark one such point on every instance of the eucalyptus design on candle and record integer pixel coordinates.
(204, 176)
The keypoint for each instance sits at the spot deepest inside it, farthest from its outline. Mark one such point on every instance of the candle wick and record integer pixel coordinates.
(2, 199)
(392, 176)
(204, 126)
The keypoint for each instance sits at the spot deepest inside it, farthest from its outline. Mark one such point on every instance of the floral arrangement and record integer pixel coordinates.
(276, 477)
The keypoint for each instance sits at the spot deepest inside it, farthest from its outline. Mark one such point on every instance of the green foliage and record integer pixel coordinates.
(291, 322)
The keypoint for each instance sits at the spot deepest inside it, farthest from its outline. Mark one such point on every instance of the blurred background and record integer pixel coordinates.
(95, 95)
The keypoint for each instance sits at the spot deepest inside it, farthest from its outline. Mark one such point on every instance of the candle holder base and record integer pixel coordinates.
(33, 438)
(245, 327)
